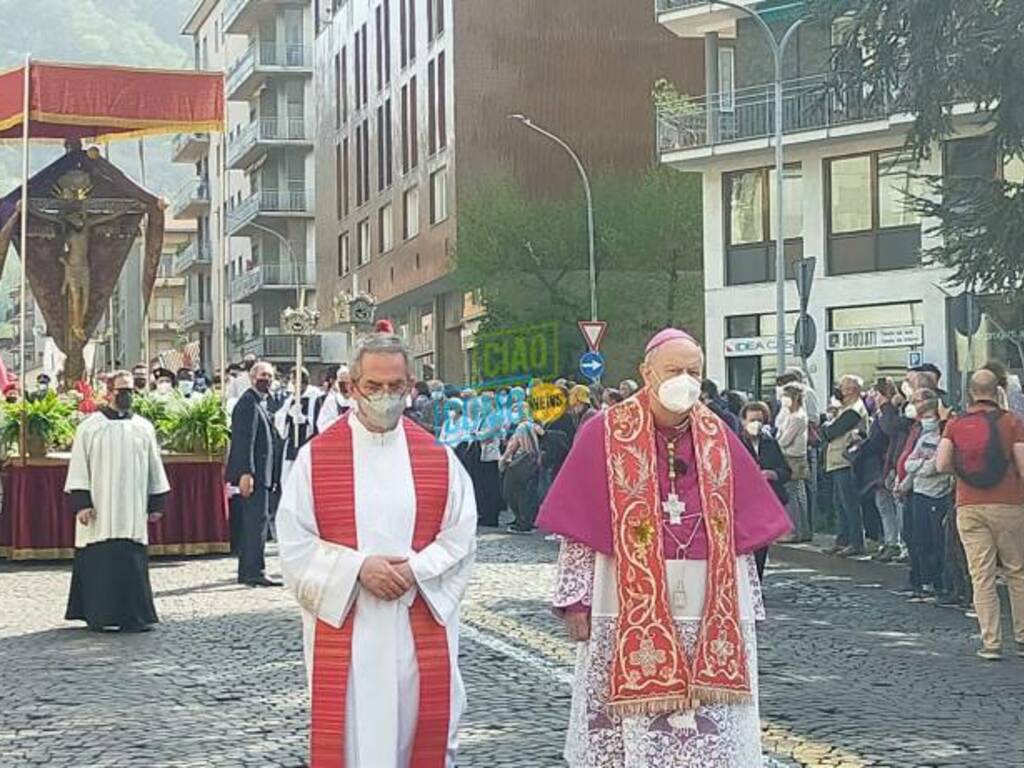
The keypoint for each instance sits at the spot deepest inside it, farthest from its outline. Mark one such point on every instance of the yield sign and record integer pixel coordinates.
(593, 332)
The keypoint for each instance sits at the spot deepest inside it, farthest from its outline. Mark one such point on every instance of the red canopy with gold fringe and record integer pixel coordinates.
(78, 101)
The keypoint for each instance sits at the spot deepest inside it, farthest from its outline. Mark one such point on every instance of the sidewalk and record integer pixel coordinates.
(812, 554)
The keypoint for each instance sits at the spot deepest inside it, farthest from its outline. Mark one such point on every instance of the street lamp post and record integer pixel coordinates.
(778, 49)
(526, 121)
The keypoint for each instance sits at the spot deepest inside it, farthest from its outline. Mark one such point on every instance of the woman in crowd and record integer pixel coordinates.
(487, 481)
(929, 493)
(521, 469)
(791, 429)
(766, 452)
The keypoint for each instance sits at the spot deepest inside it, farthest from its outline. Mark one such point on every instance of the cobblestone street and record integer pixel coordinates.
(852, 674)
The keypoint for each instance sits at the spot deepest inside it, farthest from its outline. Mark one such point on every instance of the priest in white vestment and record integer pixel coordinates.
(116, 486)
(377, 530)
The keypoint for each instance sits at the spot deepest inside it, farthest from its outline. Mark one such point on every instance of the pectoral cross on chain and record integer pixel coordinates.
(675, 508)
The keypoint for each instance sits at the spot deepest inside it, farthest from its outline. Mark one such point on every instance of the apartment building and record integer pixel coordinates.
(413, 98)
(254, 186)
(877, 305)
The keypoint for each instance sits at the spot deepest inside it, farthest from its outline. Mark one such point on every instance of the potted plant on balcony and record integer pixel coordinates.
(49, 423)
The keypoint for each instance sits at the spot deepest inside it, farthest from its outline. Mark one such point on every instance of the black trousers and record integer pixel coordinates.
(253, 539)
(927, 540)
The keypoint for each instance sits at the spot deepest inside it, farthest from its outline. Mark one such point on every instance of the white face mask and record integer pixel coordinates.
(787, 402)
(753, 428)
(185, 387)
(907, 390)
(680, 393)
(910, 411)
(384, 410)
(163, 387)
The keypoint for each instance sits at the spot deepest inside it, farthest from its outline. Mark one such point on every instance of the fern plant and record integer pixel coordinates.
(50, 419)
(197, 425)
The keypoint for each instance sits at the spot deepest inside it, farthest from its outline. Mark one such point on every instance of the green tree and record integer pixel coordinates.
(527, 259)
(925, 57)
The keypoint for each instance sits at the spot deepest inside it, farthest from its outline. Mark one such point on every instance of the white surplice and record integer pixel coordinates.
(118, 462)
(332, 409)
(383, 686)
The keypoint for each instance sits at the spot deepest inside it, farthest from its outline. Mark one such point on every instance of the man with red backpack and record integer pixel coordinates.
(984, 448)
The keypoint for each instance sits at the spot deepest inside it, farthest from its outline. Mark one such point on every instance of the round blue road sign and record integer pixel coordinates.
(592, 365)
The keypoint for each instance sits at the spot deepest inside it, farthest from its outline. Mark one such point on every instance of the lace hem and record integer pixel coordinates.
(574, 578)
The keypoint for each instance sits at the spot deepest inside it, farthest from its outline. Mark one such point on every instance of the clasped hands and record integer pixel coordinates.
(386, 577)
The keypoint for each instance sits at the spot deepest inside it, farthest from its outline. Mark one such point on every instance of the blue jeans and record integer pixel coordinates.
(847, 501)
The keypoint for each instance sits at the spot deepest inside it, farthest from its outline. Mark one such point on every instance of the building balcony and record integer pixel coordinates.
(195, 254)
(243, 16)
(264, 60)
(169, 281)
(192, 200)
(189, 147)
(696, 18)
(250, 143)
(268, 204)
(278, 347)
(700, 126)
(271, 277)
(167, 324)
(194, 314)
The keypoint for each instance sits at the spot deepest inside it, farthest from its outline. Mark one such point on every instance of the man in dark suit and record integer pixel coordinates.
(251, 468)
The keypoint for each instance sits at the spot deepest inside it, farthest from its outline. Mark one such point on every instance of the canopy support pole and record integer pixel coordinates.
(24, 255)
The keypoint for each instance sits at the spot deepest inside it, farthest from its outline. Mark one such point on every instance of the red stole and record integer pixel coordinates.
(650, 669)
(334, 501)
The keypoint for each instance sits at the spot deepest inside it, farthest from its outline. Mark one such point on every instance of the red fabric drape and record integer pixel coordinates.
(83, 101)
(35, 524)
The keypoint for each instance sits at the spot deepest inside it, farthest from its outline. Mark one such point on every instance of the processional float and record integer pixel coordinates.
(73, 223)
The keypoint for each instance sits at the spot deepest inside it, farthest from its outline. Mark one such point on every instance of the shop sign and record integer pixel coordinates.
(875, 338)
(752, 346)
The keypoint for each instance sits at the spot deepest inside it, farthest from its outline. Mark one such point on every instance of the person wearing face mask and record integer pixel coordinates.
(878, 459)
(928, 494)
(295, 422)
(140, 379)
(186, 382)
(377, 528)
(792, 432)
(164, 383)
(661, 507)
(766, 452)
(116, 486)
(252, 468)
(842, 436)
(42, 388)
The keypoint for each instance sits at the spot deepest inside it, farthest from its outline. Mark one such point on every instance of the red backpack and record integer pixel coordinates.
(978, 456)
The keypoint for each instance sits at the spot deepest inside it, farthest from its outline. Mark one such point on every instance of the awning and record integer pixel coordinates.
(78, 101)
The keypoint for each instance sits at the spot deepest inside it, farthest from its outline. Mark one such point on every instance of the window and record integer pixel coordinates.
(403, 34)
(726, 78)
(750, 352)
(337, 94)
(439, 196)
(343, 85)
(344, 178)
(387, 40)
(411, 213)
(385, 228)
(389, 154)
(871, 355)
(364, 242)
(405, 128)
(750, 200)
(344, 263)
(871, 225)
(357, 66)
(432, 106)
(412, 31)
(365, 69)
(163, 309)
(414, 140)
(442, 123)
(359, 165)
(339, 179)
(381, 143)
(380, 49)
(435, 18)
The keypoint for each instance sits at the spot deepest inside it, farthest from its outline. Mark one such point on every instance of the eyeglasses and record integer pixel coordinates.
(372, 388)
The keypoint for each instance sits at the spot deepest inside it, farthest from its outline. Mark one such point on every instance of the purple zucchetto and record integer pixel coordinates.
(666, 335)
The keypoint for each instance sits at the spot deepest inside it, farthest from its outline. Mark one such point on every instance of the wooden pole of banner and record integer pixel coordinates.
(23, 293)
(142, 262)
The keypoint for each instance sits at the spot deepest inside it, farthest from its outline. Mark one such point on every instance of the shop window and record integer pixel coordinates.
(890, 333)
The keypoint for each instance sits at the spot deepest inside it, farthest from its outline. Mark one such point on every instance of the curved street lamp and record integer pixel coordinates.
(526, 121)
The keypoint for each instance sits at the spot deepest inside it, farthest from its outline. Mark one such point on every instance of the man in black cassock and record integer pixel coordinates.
(116, 486)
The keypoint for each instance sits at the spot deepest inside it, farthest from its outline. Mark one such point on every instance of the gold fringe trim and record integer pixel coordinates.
(706, 695)
(156, 550)
(651, 706)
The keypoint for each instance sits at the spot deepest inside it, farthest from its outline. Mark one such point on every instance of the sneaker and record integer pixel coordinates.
(990, 654)
(947, 601)
(919, 596)
(851, 551)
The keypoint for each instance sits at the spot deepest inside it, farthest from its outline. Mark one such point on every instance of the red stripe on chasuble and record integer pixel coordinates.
(333, 479)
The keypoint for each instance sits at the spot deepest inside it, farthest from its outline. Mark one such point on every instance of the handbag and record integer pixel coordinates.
(799, 467)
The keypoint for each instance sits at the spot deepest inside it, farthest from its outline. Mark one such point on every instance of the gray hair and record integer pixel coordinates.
(379, 344)
(260, 364)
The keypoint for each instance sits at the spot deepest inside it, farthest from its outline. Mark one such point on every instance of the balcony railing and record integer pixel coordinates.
(272, 55)
(269, 129)
(272, 276)
(273, 344)
(807, 104)
(196, 252)
(195, 314)
(196, 191)
(663, 6)
(187, 147)
(269, 202)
